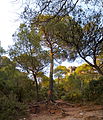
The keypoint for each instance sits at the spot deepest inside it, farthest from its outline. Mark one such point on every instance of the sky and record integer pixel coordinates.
(9, 22)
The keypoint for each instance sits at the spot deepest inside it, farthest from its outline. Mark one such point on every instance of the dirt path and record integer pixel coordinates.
(68, 112)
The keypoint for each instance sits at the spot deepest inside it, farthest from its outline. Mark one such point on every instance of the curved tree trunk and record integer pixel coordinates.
(92, 65)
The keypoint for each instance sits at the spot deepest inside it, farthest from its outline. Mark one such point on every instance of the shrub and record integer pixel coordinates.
(72, 96)
(94, 91)
(10, 109)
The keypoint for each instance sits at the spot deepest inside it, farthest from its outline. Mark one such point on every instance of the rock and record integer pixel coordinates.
(81, 113)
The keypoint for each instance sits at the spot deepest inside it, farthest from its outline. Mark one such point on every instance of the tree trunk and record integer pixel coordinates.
(50, 92)
(92, 65)
(99, 70)
(37, 90)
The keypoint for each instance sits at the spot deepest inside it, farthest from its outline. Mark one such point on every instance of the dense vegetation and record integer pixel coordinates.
(72, 84)
(39, 43)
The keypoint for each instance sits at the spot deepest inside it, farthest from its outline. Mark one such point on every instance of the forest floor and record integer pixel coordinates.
(64, 111)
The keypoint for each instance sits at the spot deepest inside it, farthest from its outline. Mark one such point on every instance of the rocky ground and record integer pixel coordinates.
(65, 111)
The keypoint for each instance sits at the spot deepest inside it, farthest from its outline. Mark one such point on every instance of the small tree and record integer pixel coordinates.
(60, 72)
(28, 53)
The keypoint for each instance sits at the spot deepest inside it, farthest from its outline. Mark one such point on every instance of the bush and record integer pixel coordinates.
(94, 91)
(72, 96)
(10, 109)
(43, 94)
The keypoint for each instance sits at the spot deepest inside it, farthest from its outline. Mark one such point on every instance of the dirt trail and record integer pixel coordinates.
(65, 111)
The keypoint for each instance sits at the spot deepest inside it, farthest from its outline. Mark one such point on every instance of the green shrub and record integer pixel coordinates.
(10, 109)
(72, 96)
(43, 94)
(94, 91)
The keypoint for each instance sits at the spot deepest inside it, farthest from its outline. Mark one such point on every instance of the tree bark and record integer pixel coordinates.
(50, 92)
(37, 90)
